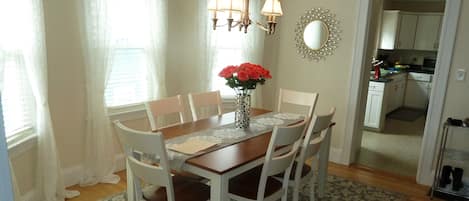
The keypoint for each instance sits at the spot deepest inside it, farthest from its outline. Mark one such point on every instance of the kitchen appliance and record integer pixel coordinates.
(429, 63)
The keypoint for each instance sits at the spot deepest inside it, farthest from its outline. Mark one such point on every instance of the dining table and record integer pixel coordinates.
(219, 164)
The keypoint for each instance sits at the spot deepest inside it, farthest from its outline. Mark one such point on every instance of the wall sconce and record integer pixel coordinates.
(239, 10)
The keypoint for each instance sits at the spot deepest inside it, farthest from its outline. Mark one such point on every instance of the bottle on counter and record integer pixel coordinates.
(377, 69)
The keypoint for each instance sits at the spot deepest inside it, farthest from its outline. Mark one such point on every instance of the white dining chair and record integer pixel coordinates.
(258, 184)
(176, 188)
(164, 107)
(204, 100)
(299, 98)
(319, 128)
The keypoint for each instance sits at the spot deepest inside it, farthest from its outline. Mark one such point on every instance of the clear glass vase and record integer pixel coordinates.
(243, 110)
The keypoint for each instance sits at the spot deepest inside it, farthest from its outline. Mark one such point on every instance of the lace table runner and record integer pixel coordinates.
(226, 135)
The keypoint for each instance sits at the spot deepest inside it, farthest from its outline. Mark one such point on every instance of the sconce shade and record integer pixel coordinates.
(272, 8)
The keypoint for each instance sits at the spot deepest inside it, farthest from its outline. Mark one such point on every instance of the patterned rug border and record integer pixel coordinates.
(338, 189)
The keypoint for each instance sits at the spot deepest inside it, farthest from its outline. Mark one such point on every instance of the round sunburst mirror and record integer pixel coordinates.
(317, 34)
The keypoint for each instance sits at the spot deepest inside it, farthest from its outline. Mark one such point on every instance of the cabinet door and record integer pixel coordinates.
(392, 97)
(373, 109)
(389, 24)
(417, 94)
(401, 93)
(428, 32)
(407, 27)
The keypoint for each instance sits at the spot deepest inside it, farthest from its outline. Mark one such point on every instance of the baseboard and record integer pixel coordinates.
(426, 180)
(29, 196)
(335, 155)
(73, 175)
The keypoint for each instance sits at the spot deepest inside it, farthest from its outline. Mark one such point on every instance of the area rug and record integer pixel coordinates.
(406, 114)
(338, 189)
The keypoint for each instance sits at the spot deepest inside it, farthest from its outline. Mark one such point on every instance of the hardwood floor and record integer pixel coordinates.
(390, 182)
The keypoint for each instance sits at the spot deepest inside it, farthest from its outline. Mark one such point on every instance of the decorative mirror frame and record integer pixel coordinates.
(332, 40)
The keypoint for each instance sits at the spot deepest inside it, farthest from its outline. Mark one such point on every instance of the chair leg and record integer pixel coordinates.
(137, 189)
(296, 191)
(311, 190)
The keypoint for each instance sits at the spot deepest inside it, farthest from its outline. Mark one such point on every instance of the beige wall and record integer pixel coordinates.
(330, 77)
(457, 95)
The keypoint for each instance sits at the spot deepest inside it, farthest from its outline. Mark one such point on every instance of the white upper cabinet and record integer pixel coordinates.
(389, 25)
(428, 32)
(409, 30)
(406, 37)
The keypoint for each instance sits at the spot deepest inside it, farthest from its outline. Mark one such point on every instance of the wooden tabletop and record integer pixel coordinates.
(226, 158)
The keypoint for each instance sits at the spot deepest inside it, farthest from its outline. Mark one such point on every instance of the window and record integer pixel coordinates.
(128, 82)
(228, 51)
(17, 97)
(16, 49)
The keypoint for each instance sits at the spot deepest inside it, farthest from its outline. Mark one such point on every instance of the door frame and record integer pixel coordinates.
(355, 112)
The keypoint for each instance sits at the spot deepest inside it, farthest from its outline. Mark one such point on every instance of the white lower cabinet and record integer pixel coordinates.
(374, 106)
(395, 92)
(418, 89)
(417, 94)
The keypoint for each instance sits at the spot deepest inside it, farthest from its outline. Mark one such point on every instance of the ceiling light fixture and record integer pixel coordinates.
(236, 13)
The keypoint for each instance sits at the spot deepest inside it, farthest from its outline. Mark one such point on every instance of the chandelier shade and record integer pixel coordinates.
(272, 8)
(236, 12)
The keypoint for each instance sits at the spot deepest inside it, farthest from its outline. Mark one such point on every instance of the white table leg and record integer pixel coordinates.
(219, 188)
(323, 164)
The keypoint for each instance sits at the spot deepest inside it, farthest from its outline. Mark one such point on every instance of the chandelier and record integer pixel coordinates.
(236, 13)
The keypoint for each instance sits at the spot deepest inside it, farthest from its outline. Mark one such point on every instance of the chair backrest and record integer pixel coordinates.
(319, 127)
(290, 137)
(149, 143)
(165, 106)
(204, 99)
(297, 98)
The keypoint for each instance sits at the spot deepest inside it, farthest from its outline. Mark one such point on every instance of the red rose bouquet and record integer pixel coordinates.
(244, 77)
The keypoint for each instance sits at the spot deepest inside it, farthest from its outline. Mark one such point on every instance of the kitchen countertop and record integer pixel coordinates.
(387, 74)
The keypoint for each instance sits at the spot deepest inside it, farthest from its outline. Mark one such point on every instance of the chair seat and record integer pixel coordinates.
(247, 184)
(185, 189)
(304, 171)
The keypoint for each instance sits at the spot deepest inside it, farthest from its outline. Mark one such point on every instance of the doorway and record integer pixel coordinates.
(399, 91)
(358, 90)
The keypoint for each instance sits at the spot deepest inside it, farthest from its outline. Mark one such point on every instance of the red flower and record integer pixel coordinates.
(228, 71)
(243, 76)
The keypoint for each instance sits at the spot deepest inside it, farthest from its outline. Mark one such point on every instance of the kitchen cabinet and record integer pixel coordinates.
(427, 36)
(407, 27)
(397, 30)
(418, 90)
(374, 113)
(410, 30)
(396, 92)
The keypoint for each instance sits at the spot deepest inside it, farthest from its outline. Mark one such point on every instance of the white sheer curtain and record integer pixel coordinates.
(253, 47)
(99, 162)
(156, 51)
(110, 25)
(231, 48)
(206, 45)
(24, 37)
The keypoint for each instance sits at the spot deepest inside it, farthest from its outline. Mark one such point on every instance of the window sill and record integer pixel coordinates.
(127, 112)
(21, 146)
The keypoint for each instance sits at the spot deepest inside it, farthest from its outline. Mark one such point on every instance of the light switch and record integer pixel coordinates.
(460, 74)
